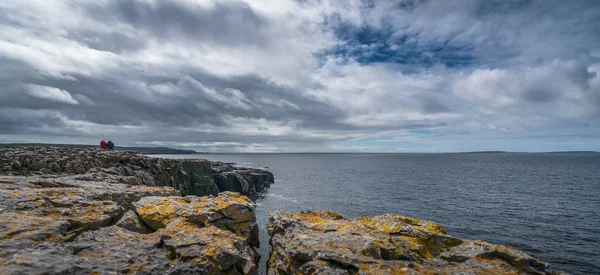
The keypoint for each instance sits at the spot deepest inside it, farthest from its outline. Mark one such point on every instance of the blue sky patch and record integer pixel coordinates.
(367, 44)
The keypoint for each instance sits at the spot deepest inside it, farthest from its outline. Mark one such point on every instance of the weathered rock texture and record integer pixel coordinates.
(58, 225)
(247, 181)
(88, 211)
(326, 243)
(188, 176)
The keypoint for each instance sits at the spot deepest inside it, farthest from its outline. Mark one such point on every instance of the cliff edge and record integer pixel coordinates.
(189, 176)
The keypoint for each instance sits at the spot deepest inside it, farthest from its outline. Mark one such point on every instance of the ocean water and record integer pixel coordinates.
(544, 204)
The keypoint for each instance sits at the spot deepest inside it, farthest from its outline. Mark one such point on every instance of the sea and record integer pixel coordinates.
(546, 204)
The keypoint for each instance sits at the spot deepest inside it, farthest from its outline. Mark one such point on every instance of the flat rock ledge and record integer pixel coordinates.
(327, 243)
(54, 225)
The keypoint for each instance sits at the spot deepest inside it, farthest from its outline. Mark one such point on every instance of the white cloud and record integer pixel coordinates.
(227, 97)
(557, 88)
(50, 93)
(281, 103)
(488, 87)
(300, 74)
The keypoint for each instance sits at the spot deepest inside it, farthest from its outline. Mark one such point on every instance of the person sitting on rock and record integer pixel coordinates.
(110, 145)
(103, 144)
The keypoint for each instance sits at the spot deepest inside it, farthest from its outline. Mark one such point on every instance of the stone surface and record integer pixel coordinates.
(247, 181)
(57, 225)
(130, 221)
(106, 220)
(58, 209)
(229, 211)
(326, 243)
(114, 250)
(189, 176)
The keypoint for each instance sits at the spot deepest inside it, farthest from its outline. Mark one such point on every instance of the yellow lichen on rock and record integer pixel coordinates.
(216, 234)
(157, 212)
(51, 214)
(325, 242)
(101, 212)
(86, 226)
(229, 211)
(394, 223)
(208, 247)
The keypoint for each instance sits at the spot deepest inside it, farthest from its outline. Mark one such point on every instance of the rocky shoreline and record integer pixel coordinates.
(196, 177)
(90, 211)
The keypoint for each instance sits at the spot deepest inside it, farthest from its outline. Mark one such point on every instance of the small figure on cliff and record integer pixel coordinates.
(110, 145)
(103, 144)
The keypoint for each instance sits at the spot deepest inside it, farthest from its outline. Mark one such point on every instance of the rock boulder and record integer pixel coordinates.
(327, 243)
(248, 181)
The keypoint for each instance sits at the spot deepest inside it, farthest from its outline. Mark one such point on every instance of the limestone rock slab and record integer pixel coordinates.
(327, 243)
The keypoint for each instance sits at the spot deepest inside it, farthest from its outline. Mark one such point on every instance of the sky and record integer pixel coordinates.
(303, 75)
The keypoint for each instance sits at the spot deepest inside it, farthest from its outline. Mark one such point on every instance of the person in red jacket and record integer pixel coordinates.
(103, 144)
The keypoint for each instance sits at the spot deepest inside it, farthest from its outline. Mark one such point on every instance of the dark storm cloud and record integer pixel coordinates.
(431, 104)
(227, 23)
(125, 97)
(114, 42)
(273, 101)
(541, 94)
(15, 71)
(543, 88)
(134, 100)
(23, 121)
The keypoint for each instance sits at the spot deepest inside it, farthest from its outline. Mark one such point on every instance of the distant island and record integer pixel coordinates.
(573, 152)
(143, 150)
(550, 152)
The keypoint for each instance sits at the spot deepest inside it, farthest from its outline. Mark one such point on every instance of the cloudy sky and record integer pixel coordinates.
(261, 76)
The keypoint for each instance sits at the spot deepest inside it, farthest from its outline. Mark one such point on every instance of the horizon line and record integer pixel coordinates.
(300, 152)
